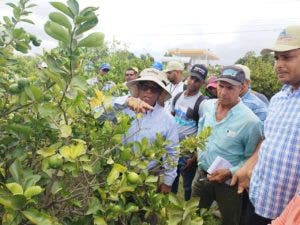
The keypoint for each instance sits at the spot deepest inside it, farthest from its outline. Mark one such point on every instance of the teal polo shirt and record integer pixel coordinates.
(234, 138)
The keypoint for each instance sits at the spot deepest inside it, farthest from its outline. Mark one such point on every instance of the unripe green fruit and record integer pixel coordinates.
(133, 178)
(23, 82)
(55, 161)
(14, 89)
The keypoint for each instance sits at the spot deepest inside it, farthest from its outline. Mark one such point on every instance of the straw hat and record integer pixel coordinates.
(154, 75)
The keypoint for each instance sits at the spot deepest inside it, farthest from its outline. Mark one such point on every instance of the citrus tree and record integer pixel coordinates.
(60, 164)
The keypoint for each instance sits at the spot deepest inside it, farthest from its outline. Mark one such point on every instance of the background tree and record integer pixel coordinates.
(263, 77)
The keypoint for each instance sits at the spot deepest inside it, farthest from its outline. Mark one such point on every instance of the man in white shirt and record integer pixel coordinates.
(174, 71)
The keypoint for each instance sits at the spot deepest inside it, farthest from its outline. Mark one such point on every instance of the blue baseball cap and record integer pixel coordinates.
(105, 66)
(157, 65)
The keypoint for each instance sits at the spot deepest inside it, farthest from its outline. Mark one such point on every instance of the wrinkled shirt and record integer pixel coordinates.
(276, 175)
(151, 123)
(234, 138)
(255, 104)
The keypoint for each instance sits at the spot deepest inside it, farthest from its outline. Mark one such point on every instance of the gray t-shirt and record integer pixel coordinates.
(185, 126)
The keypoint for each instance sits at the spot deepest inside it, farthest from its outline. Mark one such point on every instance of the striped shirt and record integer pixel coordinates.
(276, 175)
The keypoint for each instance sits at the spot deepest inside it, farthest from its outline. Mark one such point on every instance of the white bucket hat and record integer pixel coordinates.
(154, 75)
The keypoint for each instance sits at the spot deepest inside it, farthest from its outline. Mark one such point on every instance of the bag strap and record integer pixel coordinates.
(174, 102)
(196, 107)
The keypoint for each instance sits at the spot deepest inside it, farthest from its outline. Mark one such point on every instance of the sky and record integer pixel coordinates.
(228, 28)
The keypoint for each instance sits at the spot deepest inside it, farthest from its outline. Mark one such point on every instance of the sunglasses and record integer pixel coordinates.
(146, 87)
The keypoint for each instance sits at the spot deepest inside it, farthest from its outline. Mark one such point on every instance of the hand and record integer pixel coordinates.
(190, 163)
(242, 178)
(219, 176)
(165, 189)
(138, 105)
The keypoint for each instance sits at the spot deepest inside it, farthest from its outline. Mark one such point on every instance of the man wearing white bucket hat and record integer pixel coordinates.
(274, 168)
(148, 94)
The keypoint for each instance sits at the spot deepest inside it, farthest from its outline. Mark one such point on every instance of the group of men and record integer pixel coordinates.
(257, 141)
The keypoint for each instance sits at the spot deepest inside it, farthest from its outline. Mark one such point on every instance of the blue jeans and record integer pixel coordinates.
(187, 176)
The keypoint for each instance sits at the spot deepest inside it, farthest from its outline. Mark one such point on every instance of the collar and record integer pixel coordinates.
(233, 109)
(288, 90)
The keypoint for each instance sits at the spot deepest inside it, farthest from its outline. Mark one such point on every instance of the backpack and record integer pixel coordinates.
(191, 113)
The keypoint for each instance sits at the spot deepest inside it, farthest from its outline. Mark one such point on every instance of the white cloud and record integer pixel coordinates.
(228, 28)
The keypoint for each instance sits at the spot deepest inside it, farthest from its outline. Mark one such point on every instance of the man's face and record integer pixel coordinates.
(172, 76)
(130, 75)
(193, 84)
(287, 67)
(228, 94)
(149, 92)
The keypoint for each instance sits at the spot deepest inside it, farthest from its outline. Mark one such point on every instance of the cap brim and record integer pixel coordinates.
(279, 48)
(196, 75)
(230, 81)
(214, 85)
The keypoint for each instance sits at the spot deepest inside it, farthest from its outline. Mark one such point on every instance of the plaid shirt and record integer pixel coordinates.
(276, 175)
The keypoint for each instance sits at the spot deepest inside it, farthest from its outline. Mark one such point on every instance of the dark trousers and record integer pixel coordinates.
(229, 201)
(187, 177)
(254, 219)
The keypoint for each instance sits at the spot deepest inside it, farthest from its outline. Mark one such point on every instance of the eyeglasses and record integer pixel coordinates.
(105, 70)
(146, 87)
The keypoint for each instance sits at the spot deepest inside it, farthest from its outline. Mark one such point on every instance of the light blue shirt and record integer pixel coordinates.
(234, 138)
(255, 104)
(276, 175)
(151, 123)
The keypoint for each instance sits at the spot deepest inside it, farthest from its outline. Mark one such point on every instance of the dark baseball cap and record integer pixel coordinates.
(233, 75)
(199, 71)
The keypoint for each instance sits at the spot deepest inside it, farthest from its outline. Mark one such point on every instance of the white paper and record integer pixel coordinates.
(219, 163)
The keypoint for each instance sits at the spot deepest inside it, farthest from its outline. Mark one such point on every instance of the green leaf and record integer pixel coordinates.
(18, 33)
(31, 180)
(48, 109)
(15, 202)
(93, 40)
(34, 93)
(65, 130)
(58, 32)
(47, 151)
(63, 8)
(115, 173)
(11, 5)
(56, 187)
(7, 20)
(31, 5)
(20, 130)
(74, 7)
(72, 152)
(99, 220)
(94, 206)
(88, 168)
(16, 171)
(89, 24)
(151, 179)
(15, 188)
(60, 19)
(22, 47)
(32, 191)
(27, 21)
(37, 217)
(174, 200)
